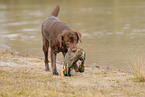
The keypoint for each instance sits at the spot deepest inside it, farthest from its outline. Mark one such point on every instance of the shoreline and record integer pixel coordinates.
(25, 76)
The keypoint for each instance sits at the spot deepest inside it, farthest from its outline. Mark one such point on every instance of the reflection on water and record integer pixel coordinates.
(112, 30)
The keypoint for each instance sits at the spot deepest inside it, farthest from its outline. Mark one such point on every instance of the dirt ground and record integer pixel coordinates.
(23, 76)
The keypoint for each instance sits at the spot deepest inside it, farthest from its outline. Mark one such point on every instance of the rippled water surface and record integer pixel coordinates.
(112, 30)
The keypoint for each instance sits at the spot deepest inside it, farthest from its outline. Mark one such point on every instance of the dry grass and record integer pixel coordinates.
(138, 68)
(25, 77)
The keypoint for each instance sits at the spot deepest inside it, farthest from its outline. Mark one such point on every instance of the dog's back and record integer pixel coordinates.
(52, 26)
(49, 21)
(53, 16)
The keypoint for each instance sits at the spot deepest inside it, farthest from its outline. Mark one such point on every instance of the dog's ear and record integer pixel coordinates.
(78, 35)
(60, 39)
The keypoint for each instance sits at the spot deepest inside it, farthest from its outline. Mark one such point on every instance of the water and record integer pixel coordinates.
(112, 30)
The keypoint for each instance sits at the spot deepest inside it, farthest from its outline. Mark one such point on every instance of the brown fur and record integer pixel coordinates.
(59, 37)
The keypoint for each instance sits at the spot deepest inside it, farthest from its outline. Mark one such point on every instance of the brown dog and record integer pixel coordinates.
(59, 37)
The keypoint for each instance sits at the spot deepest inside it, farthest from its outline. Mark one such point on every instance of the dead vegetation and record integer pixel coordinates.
(25, 76)
(138, 68)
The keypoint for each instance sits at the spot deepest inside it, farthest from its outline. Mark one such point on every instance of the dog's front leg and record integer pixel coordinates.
(53, 63)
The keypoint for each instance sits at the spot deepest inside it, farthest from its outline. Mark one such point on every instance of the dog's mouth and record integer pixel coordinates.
(72, 50)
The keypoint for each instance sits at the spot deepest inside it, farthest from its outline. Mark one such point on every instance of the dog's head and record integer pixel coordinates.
(69, 39)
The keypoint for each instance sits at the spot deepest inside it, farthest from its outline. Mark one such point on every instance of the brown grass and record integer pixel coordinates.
(25, 77)
(138, 68)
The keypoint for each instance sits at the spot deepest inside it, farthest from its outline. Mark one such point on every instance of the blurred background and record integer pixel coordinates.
(112, 30)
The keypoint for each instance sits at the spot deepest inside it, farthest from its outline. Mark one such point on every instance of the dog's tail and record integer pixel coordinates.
(55, 11)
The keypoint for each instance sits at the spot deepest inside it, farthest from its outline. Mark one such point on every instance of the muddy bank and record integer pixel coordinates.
(25, 76)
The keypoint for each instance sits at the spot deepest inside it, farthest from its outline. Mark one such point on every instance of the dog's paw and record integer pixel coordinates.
(47, 70)
(55, 73)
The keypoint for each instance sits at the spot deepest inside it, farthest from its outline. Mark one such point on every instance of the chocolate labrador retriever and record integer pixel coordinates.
(59, 37)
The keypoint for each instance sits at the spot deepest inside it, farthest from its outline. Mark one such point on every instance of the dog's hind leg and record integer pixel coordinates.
(45, 50)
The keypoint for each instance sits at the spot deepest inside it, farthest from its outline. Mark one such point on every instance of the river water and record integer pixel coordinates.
(112, 30)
